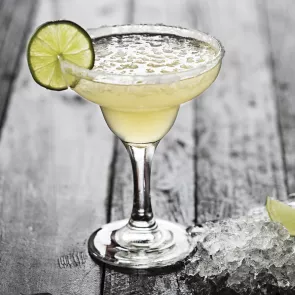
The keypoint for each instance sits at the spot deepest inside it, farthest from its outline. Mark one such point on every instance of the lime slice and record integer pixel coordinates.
(282, 213)
(57, 40)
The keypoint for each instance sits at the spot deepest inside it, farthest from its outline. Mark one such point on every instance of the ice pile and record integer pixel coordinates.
(246, 253)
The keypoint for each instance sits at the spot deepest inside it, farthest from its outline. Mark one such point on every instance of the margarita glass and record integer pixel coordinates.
(142, 74)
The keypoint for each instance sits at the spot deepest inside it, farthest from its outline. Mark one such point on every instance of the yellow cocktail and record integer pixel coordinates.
(141, 79)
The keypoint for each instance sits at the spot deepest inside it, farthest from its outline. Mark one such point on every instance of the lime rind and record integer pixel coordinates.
(57, 40)
(268, 200)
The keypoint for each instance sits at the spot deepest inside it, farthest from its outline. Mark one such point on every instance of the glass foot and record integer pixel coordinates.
(119, 245)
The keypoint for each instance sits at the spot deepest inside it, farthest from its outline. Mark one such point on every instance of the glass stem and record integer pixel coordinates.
(141, 158)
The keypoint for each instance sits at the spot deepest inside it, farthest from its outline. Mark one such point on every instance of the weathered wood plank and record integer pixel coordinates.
(281, 33)
(54, 160)
(13, 31)
(239, 158)
(172, 172)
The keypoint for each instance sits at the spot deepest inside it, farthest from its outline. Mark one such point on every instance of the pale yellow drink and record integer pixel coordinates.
(139, 111)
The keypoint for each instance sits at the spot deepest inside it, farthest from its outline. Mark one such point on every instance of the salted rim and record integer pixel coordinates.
(104, 77)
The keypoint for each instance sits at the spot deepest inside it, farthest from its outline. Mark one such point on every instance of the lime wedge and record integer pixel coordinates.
(282, 213)
(57, 40)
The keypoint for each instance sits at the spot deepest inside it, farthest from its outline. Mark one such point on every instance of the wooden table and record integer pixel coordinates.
(63, 174)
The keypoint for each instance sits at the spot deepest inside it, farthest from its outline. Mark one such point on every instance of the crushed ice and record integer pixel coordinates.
(242, 249)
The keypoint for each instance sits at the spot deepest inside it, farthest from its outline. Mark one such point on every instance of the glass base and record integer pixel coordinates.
(118, 245)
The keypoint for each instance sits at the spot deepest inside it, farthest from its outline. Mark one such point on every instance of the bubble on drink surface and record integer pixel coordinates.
(249, 255)
(151, 53)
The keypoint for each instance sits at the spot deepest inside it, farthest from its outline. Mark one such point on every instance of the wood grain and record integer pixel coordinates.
(281, 37)
(54, 160)
(238, 152)
(13, 32)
